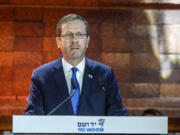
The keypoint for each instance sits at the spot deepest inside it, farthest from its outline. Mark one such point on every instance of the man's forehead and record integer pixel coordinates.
(73, 24)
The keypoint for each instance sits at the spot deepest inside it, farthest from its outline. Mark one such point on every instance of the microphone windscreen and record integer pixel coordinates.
(73, 84)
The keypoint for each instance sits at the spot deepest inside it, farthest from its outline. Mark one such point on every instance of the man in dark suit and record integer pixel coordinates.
(92, 85)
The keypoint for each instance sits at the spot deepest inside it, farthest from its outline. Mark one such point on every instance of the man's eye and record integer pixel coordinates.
(68, 35)
(78, 34)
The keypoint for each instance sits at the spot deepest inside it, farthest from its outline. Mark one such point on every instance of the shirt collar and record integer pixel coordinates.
(67, 66)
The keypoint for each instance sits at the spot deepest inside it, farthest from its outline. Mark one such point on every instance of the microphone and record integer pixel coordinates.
(64, 101)
(101, 84)
(73, 84)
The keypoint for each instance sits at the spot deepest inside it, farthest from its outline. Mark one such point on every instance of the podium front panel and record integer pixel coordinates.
(90, 124)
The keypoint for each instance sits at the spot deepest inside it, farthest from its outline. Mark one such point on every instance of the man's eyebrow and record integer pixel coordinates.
(69, 32)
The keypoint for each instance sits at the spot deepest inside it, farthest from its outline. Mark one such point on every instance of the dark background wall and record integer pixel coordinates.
(123, 36)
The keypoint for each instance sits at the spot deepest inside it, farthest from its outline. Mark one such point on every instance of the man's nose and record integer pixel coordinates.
(74, 39)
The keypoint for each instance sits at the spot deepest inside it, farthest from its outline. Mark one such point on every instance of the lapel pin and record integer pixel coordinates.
(90, 76)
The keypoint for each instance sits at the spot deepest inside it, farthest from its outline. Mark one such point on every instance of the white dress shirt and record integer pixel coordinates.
(68, 73)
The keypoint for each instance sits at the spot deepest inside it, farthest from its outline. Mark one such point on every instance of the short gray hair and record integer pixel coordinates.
(68, 18)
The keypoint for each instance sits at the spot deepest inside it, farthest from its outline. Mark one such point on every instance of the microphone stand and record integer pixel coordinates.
(74, 88)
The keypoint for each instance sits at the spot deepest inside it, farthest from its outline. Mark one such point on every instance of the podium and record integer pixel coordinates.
(23, 124)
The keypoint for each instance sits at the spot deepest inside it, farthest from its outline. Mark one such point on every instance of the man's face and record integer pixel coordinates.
(73, 42)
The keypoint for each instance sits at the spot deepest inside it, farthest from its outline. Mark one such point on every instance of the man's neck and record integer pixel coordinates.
(74, 62)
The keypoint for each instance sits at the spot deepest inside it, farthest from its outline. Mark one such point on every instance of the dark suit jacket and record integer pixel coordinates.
(49, 88)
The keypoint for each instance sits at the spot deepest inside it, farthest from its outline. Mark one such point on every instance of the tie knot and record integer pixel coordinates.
(74, 70)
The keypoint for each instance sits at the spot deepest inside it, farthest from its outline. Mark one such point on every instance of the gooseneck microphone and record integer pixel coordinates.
(64, 101)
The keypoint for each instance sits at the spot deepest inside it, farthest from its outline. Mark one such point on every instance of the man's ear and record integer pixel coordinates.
(88, 41)
(58, 42)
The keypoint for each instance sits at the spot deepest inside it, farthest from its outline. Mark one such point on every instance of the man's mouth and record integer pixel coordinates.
(74, 48)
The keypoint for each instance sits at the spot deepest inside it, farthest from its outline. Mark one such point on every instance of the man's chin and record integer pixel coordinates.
(76, 57)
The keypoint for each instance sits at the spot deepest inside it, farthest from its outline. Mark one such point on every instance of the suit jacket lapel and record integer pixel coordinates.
(87, 85)
(87, 78)
(62, 85)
